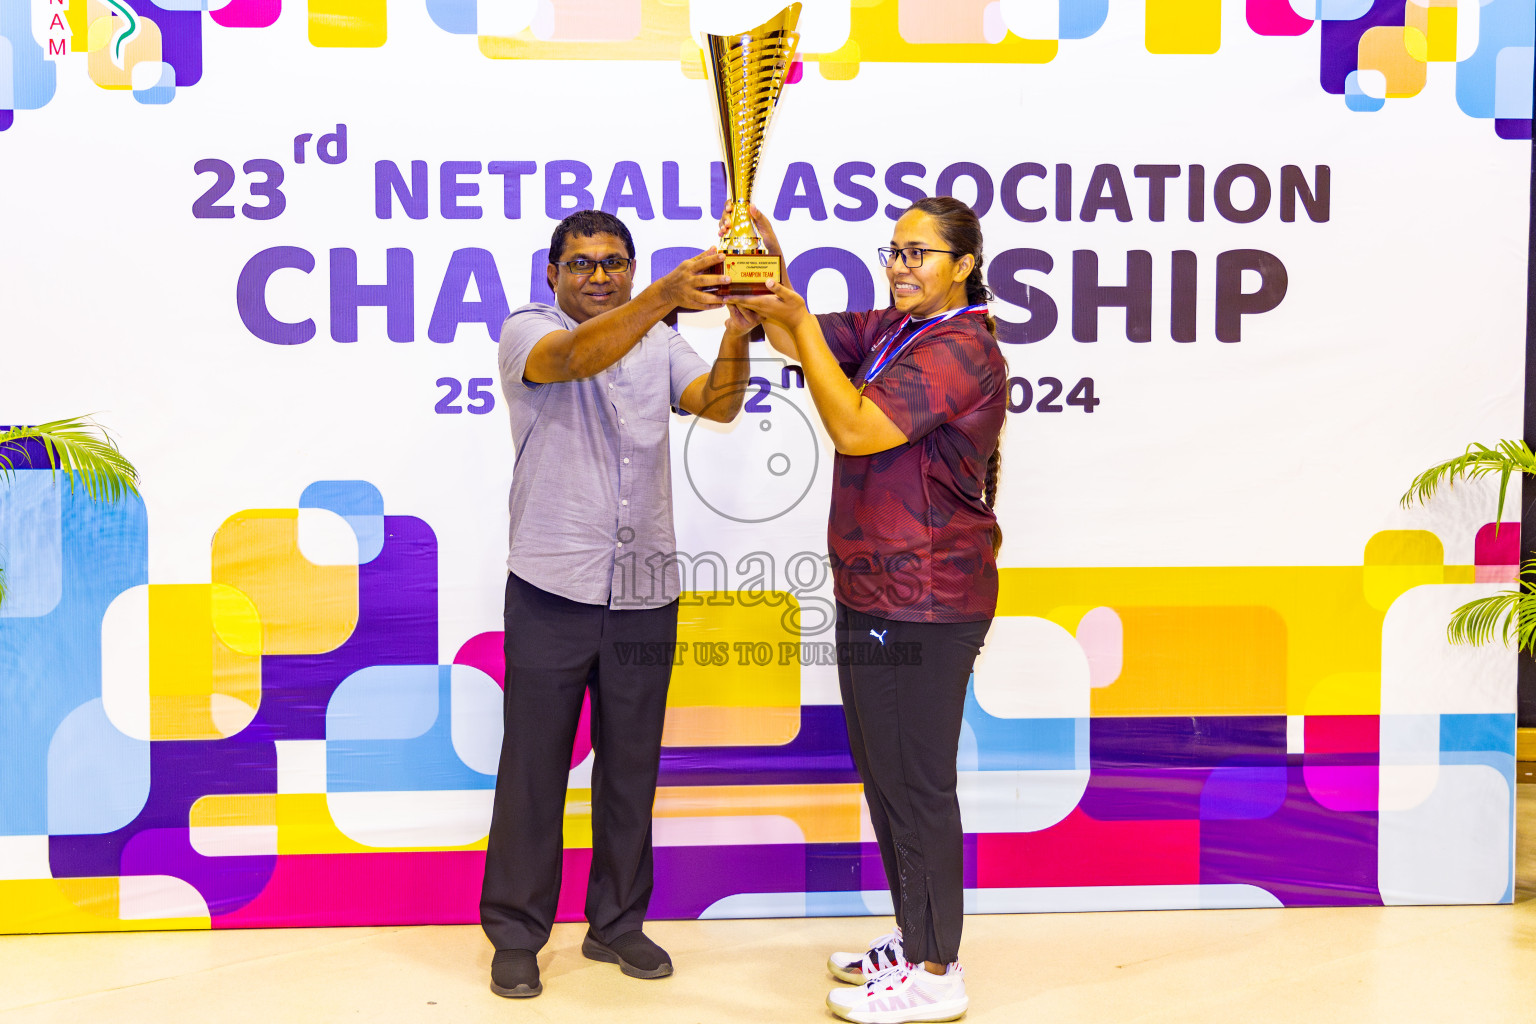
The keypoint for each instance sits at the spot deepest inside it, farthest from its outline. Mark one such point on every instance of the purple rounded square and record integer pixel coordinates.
(1243, 793)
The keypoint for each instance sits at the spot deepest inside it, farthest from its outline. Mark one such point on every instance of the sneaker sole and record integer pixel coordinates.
(518, 991)
(594, 950)
(848, 975)
(933, 1014)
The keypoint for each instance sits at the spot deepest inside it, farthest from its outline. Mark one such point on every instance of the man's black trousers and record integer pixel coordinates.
(557, 650)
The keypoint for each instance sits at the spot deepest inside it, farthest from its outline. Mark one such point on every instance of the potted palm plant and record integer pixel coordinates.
(80, 448)
(1510, 614)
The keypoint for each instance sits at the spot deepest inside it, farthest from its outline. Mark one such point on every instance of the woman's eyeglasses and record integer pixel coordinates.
(910, 256)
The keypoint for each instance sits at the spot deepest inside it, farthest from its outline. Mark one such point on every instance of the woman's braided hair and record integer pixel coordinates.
(960, 231)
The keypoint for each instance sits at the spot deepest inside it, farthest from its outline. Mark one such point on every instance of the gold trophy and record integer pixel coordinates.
(748, 71)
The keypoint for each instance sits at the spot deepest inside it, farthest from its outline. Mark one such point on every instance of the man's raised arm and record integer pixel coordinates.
(595, 344)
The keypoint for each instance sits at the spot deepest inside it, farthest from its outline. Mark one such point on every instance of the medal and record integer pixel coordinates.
(888, 355)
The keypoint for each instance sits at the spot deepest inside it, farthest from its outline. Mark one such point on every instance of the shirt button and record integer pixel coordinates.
(619, 544)
(624, 502)
(610, 387)
(621, 421)
(626, 461)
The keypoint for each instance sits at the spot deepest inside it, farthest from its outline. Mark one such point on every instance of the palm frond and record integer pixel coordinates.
(1509, 615)
(1480, 621)
(79, 447)
(1506, 459)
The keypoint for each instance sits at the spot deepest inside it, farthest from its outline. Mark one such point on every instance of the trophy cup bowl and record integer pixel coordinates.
(748, 70)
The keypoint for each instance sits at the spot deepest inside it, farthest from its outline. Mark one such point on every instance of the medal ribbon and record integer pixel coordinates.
(888, 355)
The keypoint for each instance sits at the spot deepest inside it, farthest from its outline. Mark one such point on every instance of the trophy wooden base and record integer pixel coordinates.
(750, 273)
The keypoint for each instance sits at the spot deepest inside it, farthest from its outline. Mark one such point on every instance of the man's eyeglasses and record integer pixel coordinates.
(910, 256)
(584, 268)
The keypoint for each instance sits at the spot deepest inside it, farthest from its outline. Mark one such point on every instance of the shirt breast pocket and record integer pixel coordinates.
(657, 411)
(651, 382)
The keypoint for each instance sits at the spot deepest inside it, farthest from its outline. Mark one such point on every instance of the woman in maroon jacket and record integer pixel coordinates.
(913, 398)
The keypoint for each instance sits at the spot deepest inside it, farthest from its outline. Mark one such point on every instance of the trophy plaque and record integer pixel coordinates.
(747, 71)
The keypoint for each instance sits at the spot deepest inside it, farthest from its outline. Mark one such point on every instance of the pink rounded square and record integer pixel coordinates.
(1276, 18)
(247, 13)
(1343, 787)
(1497, 544)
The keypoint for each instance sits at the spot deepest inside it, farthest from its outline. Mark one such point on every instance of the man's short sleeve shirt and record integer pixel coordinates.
(591, 499)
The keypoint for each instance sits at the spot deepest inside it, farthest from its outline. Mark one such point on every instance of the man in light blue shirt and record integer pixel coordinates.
(590, 385)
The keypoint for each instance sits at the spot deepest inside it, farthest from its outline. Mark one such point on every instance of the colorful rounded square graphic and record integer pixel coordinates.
(303, 608)
(1278, 18)
(1198, 661)
(247, 13)
(154, 82)
(348, 22)
(114, 51)
(202, 685)
(949, 21)
(1397, 561)
(1183, 26)
(736, 676)
(1431, 31)
(1388, 50)
(31, 539)
(587, 20)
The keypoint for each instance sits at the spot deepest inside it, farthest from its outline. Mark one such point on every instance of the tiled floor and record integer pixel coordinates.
(1400, 965)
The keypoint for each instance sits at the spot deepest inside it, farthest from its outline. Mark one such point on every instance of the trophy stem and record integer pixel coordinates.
(741, 234)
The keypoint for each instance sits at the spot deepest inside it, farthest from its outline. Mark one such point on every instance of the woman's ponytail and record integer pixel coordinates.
(961, 231)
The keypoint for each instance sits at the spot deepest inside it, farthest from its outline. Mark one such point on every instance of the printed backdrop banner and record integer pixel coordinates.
(1255, 264)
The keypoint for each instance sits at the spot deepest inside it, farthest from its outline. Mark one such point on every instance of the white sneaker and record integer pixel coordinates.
(856, 968)
(902, 995)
